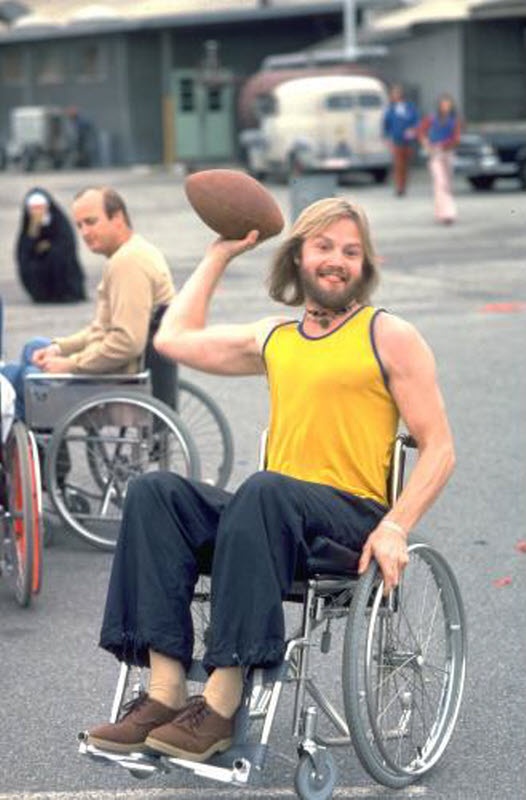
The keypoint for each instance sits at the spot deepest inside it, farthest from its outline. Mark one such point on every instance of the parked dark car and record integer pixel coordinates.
(483, 161)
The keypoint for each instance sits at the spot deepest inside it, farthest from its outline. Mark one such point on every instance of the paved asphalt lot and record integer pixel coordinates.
(456, 285)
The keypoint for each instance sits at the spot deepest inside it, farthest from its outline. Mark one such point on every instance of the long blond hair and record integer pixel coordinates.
(284, 281)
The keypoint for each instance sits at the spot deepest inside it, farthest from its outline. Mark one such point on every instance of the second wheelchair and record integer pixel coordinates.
(96, 433)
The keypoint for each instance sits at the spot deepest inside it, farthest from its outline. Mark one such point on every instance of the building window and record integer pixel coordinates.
(214, 98)
(50, 68)
(13, 73)
(187, 95)
(91, 63)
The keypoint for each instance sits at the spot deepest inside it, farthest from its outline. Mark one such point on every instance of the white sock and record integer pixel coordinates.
(167, 680)
(224, 689)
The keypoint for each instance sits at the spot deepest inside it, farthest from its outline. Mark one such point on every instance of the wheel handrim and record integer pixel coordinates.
(413, 697)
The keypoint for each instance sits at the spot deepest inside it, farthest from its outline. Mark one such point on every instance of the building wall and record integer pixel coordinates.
(119, 79)
(482, 63)
(429, 63)
(495, 70)
(243, 47)
(87, 72)
(145, 98)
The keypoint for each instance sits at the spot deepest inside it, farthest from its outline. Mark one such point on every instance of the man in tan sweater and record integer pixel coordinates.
(136, 281)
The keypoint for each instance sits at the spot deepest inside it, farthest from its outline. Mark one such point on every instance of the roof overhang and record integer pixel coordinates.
(400, 23)
(493, 9)
(182, 20)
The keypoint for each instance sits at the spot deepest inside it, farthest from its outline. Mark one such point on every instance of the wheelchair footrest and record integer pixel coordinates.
(236, 766)
(145, 763)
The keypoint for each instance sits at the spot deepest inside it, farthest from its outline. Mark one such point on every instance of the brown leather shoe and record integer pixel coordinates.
(127, 735)
(195, 733)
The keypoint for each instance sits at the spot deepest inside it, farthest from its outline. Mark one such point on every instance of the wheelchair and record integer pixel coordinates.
(403, 664)
(97, 432)
(20, 514)
(94, 435)
(20, 502)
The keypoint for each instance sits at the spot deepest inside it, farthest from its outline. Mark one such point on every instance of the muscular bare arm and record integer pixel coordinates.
(184, 335)
(413, 383)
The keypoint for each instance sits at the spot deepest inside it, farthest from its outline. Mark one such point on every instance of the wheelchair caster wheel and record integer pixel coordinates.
(316, 776)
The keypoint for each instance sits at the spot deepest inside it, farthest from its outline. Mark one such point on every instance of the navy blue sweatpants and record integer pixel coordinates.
(254, 541)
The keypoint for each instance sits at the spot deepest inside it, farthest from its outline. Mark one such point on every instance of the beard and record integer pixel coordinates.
(331, 299)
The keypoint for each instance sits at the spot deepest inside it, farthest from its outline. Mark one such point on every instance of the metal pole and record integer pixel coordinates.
(167, 100)
(349, 27)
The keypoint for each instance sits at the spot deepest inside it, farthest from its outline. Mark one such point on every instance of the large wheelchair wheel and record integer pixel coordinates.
(404, 664)
(22, 534)
(210, 431)
(100, 446)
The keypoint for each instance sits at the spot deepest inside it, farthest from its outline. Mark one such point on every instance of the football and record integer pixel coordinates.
(232, 203)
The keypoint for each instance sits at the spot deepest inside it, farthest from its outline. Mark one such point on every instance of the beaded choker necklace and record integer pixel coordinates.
(325, 316)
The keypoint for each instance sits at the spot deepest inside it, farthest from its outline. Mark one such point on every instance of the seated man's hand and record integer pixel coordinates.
(57, 364)
(41, 355)
(389, 548)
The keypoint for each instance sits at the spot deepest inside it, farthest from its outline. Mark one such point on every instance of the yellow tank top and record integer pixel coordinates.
(332, 420)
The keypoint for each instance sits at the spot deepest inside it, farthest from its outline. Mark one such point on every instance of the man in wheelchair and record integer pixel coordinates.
(136, 281)
(340, 378)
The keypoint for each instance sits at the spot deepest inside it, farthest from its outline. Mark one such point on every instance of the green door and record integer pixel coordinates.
(204, 114)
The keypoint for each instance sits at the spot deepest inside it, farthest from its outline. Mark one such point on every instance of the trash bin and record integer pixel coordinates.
(305, 187)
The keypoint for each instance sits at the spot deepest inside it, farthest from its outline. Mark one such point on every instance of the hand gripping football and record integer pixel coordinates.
(232, 203)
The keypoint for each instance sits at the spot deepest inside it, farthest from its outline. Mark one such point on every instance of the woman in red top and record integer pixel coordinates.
(439, 134)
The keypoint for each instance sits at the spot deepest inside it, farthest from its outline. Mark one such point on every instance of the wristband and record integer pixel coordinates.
(394, 526)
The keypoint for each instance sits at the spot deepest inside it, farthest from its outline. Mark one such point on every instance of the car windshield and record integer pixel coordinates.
(370, 100)
(340, 102)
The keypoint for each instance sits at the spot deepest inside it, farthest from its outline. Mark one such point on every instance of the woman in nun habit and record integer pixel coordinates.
(46, 252)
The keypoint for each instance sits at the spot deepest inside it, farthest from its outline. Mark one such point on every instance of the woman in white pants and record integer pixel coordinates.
(439, 134)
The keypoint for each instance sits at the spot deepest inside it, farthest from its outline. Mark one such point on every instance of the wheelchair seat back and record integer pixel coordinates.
(163, 372)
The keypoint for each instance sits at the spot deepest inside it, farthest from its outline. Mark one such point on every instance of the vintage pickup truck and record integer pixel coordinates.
(39, 136)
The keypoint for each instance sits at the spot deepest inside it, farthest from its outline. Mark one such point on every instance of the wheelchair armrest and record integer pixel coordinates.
(73, 377)
(49, 397)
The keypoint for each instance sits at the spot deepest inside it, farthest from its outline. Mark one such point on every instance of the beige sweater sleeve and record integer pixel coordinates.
(130, 301)
(73, 343)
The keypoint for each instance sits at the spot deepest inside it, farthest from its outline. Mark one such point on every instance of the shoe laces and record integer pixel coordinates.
(194, 713)
(133, 705)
